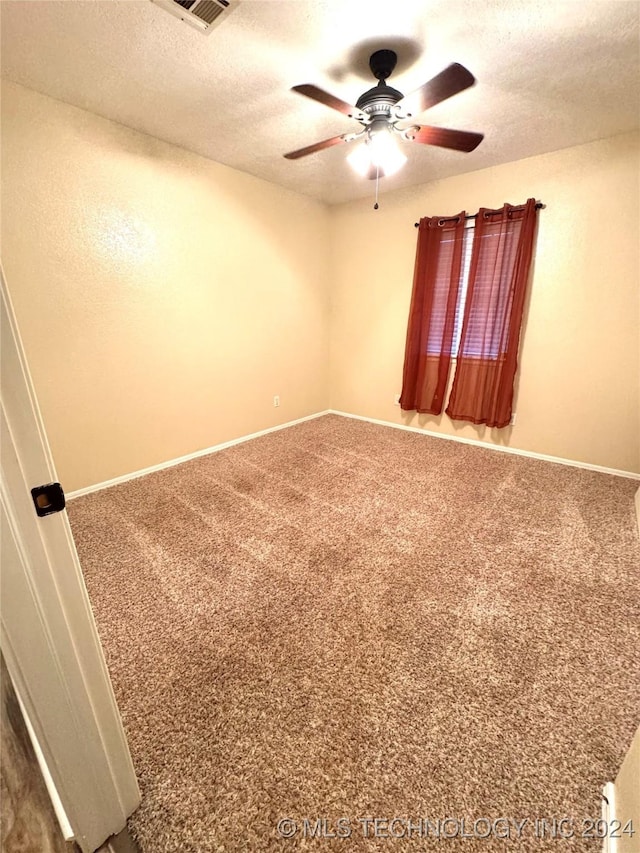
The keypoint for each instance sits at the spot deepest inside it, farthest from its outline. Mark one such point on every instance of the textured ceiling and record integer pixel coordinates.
(550, 75)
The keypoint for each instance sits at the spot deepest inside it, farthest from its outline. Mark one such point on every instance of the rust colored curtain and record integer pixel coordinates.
(487, 359)
(432, 315)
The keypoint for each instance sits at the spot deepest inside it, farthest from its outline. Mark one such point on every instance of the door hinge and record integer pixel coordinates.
(48, 499)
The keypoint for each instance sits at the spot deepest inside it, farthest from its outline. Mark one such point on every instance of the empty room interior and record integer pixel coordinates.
(332, 316)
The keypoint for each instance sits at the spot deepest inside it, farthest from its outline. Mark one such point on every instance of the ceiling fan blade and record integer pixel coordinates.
(316, 94)
(319, 146)
(459, 140)
(455, 78)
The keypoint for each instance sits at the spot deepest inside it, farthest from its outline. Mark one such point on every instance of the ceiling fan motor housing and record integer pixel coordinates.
(382, 63)
(382, 96)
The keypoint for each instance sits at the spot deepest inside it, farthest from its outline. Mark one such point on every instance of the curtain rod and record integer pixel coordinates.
(539, 205)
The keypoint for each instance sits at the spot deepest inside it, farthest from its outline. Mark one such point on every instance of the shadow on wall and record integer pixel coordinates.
(482, 431)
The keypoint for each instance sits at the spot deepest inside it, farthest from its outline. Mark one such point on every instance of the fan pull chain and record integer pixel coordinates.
(375, 206)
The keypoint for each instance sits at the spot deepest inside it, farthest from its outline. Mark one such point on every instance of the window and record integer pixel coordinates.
(469, 288)
(436, 328)
(490, 302)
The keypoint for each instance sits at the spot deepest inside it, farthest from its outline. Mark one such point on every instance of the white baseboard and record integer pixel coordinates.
(632, 475)
(97, 487)
(216, 448)
(609, 844)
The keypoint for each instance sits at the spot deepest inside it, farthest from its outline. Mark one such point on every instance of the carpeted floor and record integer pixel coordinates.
(342, 620)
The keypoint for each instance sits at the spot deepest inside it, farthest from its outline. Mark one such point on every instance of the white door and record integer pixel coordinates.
(48, 635)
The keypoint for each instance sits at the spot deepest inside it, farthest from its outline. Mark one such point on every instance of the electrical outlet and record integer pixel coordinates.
(512, 422)
(276, 401)
(396, 400)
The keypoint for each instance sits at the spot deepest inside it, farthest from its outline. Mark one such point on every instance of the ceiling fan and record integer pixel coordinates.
(385, 115)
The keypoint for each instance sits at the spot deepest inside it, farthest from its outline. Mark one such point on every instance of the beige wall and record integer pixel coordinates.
(163, 299)
(579, 383)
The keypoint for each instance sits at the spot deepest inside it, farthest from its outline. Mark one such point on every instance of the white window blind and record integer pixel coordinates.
(489, 318)
(488, 325)
(436, 345)
(469, 231)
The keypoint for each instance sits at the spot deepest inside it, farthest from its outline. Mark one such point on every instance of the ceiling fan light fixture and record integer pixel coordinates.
(385, 153)
(360, 160)
(379, 154)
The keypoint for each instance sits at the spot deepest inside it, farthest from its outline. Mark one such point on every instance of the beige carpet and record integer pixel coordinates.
(342, 620)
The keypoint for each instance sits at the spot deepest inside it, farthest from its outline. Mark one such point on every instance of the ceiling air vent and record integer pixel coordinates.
(204, 15)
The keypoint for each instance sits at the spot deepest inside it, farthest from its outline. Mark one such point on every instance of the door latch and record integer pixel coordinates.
(48, 499)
